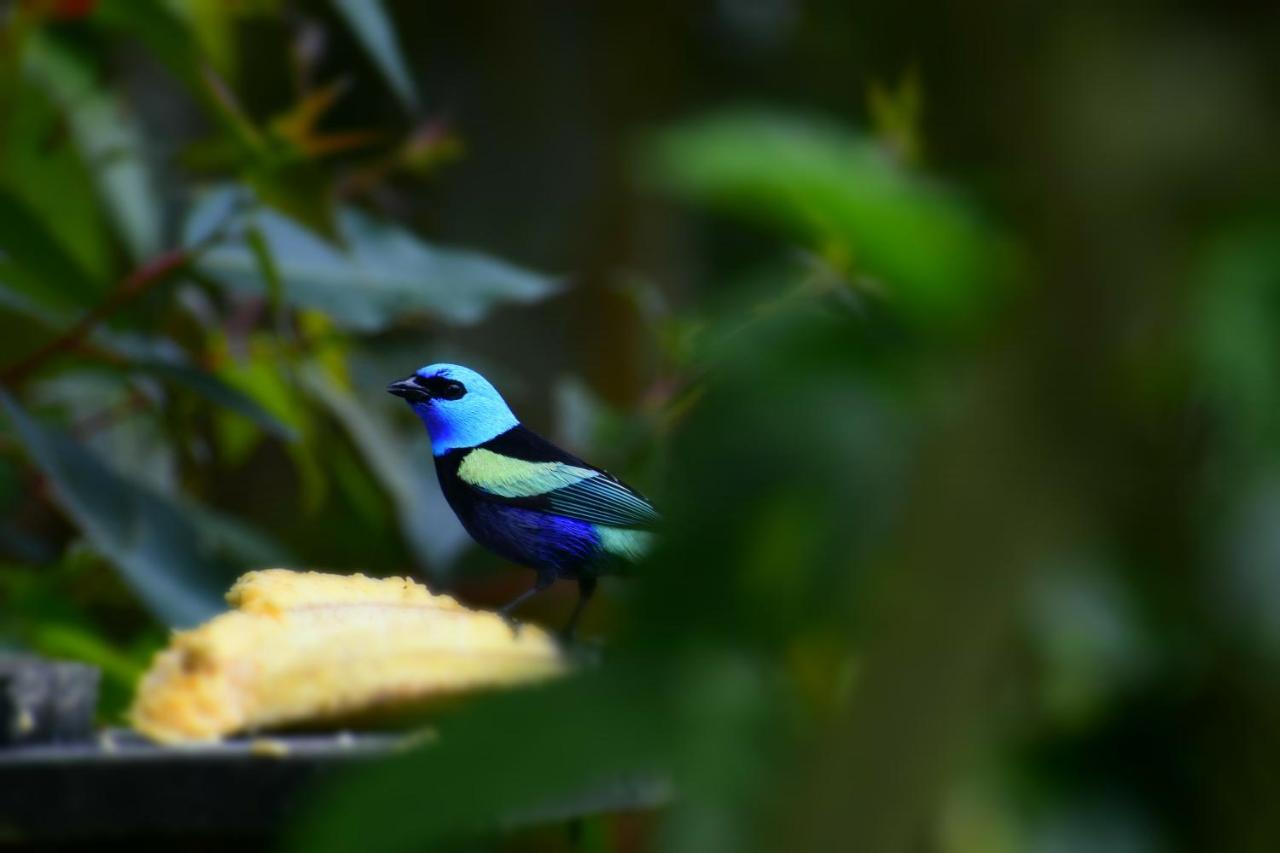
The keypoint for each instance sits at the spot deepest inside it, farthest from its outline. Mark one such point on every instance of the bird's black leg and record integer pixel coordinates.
(543, 581)
(586, 588)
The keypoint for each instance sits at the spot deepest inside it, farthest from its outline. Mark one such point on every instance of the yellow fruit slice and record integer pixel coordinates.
(308, 648)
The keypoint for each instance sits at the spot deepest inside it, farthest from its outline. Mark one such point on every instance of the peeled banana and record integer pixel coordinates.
(308, 648)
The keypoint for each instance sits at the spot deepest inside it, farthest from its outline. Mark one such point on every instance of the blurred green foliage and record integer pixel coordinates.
(162, 341)
(954, 372)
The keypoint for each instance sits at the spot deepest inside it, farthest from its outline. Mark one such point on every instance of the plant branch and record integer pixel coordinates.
(159, 269)
(138, 282)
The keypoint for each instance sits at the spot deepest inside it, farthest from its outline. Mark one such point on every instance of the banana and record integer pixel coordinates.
(308, 648)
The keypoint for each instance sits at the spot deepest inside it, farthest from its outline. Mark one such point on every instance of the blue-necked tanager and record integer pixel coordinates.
(518, 494)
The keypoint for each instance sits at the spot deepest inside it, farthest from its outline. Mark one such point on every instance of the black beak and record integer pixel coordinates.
(409, 390)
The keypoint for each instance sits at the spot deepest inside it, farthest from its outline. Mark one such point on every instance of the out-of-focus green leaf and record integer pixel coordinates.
(151, 542)
(1092, 647)
(261, 378)
(163, 34)
(1237, 342)
(844, 195)
(216, 391)
(160, 358)
(268, 378)
(124, 344)
(43, 171)
(112, 422)
(408, 475)
(896, 116)
(33, 262)
(298, 189)
(267, 267)
(82, 642)
(508, 760)
(63, 639)
(278, 169)
(1248, 561)
(53, 610)
(282, 176)
(234, 540)
(369, 21)
(227, 109)
(387, 274)
(212, 24)
(213, 210)
(109, 142)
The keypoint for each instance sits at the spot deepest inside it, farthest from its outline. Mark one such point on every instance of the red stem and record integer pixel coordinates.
(130, 288)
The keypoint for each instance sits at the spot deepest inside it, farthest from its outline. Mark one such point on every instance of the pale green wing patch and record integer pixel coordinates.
(517, 478)
(621, 542)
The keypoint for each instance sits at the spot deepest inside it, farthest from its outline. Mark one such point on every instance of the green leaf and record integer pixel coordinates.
(387, 274)
(152, 543)
(83, 642)
(266, 267)
(216, 391)
(408, 477)
(897, 116)
(126, 345)
(215, 26)
(108, 140)
(66, 639)
(235, 540)
(213, 210)
(297, 188)
(160, 358)
(268, 377)
(368, 20)
(517, 758)
(840, 192)
(162, 33)
(45, 175)
(1235, 340)
(34, 262)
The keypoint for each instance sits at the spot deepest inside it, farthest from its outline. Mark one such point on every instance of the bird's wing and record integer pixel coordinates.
(527, 470)
(587, 494)
(602, 500)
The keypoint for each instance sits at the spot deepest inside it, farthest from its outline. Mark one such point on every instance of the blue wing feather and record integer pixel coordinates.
(602, 499)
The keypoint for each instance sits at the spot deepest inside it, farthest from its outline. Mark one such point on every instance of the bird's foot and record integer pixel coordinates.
(506, 610)
(512, 622)
(568, 635)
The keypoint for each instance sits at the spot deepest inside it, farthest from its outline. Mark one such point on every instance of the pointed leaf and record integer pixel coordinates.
(385, 276)
(44, 170)
(109, 141)
(155, 547)
(368, 20)
(839, 191)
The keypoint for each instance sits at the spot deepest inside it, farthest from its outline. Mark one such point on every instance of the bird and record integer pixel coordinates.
(521, 496)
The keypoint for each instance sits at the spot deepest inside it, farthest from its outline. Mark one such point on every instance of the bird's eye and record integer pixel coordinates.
(440, 388)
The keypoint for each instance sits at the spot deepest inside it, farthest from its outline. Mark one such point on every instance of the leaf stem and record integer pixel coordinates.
(138, 282)
(157, 270)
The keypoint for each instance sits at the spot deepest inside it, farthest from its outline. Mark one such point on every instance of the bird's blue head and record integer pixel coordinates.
(459, 406)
